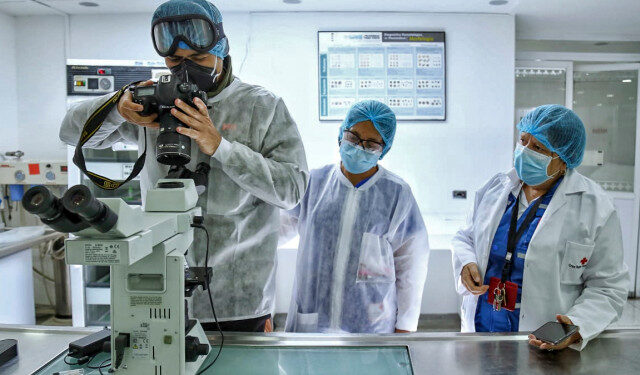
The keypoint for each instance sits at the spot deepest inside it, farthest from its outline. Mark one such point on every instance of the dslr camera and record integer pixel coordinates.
(172, 148)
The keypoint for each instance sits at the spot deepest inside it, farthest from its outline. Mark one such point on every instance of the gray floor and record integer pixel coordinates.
(630, 315)
(451, 322)
(45, 316)
(427, 323)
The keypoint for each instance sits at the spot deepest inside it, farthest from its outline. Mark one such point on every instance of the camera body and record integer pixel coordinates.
(172, 148)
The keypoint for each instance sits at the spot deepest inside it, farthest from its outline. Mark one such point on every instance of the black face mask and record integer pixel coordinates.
(202, 76)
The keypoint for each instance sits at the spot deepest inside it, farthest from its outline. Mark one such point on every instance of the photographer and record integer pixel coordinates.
(247, 137)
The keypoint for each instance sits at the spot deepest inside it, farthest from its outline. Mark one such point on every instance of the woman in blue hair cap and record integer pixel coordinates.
(362, 258)
(543, 242)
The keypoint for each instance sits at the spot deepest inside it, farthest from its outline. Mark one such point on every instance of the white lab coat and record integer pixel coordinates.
(581, 223)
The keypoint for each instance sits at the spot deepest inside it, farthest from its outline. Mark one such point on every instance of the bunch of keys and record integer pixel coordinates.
(498, 298)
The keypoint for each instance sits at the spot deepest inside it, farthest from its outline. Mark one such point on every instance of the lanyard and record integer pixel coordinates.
(515, 235)
(94, 122)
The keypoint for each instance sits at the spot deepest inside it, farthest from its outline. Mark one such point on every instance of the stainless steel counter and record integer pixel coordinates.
(614, 352)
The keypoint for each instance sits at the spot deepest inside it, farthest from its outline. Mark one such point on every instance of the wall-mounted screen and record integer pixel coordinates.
(405, 70)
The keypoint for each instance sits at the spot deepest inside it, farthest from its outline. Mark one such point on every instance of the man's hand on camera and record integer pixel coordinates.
(129, 110)
(200, 128)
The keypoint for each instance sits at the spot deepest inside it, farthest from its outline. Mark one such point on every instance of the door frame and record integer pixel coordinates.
(566, 65)
(581, 67)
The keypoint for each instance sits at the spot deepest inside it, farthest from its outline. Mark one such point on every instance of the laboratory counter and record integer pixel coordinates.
(613, 352)
(10, 249)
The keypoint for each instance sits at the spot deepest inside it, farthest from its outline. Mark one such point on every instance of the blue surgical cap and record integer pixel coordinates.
(382, 117)
(559, 129)
(174, 8)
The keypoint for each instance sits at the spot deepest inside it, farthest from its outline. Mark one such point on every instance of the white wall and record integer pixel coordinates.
(42, 86)
(279, 51)
(8, 82)
(434, 157)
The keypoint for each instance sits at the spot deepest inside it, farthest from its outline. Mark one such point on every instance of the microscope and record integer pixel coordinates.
(151, 284)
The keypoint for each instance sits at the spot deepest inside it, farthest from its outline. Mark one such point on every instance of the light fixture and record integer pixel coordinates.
(609, 95)
(626, 81)
(580, 92)
(498, 2)
(292, 1)
(88, 4)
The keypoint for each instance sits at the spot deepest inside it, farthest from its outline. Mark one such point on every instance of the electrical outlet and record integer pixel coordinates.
(459, 194)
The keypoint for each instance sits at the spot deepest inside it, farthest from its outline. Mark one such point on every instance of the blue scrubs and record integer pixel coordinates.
(364, 181)
(488, 320)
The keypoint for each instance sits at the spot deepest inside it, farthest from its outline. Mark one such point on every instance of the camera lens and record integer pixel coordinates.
(172, 148)
(41, 202)
(79, 200)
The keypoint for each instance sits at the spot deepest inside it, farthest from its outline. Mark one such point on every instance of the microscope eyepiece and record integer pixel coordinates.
(81, 201)
(41, 202)
(37, 199)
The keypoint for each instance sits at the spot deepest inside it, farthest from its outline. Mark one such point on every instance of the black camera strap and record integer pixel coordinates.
(91, 126)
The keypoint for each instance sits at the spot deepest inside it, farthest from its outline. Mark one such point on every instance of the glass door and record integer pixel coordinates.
(539, 83)
(606, 99)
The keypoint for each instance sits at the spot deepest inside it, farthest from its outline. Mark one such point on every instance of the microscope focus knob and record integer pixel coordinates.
(193, 349)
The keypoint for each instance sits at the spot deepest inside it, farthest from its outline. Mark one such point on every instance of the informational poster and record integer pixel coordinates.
(405, 70)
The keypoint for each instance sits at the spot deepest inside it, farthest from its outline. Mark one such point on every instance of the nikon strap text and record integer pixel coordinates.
(91, 126)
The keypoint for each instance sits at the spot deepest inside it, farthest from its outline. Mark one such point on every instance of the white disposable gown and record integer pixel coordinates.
(362, 258)
(573, 266)
(259, 167)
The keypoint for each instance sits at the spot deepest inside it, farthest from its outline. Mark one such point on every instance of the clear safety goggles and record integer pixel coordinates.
(196, 30)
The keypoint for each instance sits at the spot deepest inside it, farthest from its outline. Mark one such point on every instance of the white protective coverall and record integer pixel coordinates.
(362, 258)
(260, 166)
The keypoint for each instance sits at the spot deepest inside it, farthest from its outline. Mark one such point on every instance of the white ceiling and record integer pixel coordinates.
(27, 7)
(569, 19)
(579, 19)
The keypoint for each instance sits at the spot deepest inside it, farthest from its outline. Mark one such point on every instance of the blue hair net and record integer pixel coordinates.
(382, 117)
(202, 7)
(559, 129)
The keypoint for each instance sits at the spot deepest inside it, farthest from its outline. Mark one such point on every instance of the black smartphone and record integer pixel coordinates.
(554, 332)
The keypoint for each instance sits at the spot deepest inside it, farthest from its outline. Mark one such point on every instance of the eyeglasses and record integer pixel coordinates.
(367, 144)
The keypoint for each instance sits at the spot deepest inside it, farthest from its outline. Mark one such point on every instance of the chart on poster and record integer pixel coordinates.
(405, 70)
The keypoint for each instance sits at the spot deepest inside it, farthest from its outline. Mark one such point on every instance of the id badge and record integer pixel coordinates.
(502, 296)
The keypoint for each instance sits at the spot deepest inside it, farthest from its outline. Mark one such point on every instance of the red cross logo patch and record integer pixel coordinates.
(584, 261)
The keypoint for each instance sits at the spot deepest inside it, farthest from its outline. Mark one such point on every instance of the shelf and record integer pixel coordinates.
(103, 282)
(98, 296)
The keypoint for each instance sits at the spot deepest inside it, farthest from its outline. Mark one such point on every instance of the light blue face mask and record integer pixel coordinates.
(531, 166)
(357, 160)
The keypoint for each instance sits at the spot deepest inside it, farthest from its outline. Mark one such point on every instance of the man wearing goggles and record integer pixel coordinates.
(252, 144)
